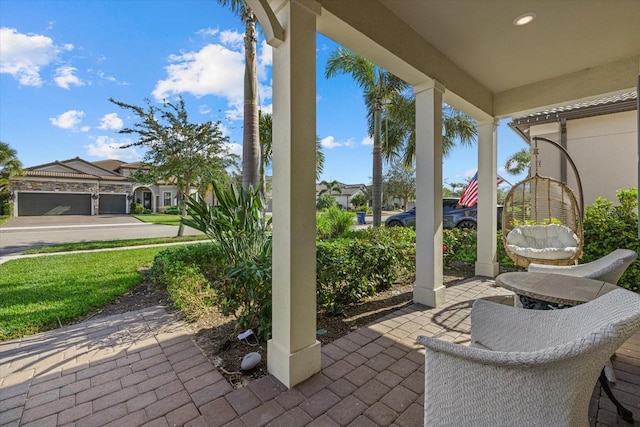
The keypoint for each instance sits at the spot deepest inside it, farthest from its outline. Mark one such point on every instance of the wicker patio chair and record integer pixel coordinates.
(609, 268)
(542, 218)
(526, 367)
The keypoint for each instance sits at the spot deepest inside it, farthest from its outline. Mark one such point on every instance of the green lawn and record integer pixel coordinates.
(85, 246)
(38, 294)
(163, 219)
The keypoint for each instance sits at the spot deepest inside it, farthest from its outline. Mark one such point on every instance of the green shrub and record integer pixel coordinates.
(136, 209)
(187, 273)
(333, 222)
(238, 223)
(173, 210)
(608, 227)
(325, 201)
(5, 209)
(359, 201)
(461, 245)
(248, 291)
(350, 269)
(239, 226)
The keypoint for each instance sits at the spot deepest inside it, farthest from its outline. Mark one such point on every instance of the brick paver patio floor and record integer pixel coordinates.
(143, 368)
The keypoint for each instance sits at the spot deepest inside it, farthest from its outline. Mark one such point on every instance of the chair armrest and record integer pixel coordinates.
(503, 328)
(480, 356)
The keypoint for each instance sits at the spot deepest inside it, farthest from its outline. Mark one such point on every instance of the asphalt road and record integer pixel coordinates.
(23, 233)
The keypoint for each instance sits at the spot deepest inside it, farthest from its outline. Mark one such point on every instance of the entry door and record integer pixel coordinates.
(146, 200)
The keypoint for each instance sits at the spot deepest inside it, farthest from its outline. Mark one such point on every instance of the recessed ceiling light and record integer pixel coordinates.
(524, 19)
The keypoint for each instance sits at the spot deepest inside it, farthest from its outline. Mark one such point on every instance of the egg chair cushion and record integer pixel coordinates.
(552, 241)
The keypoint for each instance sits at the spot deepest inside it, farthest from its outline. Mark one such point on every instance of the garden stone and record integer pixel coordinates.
(250, 361)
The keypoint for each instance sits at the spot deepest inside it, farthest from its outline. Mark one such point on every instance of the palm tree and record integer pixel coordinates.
(329, 187)
(379, 87)
(250, 138)
(266, 141)
(400, 129)
(518, 162)
(9, 166)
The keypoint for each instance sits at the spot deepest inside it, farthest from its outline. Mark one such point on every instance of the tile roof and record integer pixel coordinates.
(593, 104)
(72, 175)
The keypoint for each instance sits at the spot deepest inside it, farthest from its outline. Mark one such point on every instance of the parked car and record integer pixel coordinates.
(453, 216)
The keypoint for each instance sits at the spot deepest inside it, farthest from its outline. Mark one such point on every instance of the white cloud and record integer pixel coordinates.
(218, 70)
(214, 70)
(109, 148)
(101, 74)
(204, 109)
(24, 55)
(367, 140)
(469, 173)
(266, 109)
(208, 32)
(68, 120)
(232, 39)
(235, 148)
(330, 142)
(111, 121)
(65, 77)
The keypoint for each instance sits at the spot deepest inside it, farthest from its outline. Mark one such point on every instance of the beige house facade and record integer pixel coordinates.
(78, 187)
(601, 136)
(347, 192)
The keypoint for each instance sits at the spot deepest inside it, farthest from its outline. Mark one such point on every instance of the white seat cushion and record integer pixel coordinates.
(552, 241)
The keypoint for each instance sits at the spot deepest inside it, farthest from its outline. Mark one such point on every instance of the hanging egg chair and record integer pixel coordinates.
(542, 219)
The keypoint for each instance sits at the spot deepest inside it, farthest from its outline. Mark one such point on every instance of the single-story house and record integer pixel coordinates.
(600, 135)
(79, 187)
(347, 191)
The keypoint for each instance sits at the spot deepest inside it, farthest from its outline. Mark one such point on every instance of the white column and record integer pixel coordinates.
(429, 289)
(293, 352)
(487, 264)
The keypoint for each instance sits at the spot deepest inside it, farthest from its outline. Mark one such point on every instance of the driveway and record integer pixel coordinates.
(67, 220)
(23, 233)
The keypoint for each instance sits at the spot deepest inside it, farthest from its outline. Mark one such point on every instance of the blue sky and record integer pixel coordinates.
(61, 60)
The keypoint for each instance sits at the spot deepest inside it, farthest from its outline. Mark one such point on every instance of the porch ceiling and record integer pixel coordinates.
(573, 50)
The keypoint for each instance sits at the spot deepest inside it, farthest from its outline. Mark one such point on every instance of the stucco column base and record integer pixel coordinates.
(487, 269)
(293, 368)
(429, 296)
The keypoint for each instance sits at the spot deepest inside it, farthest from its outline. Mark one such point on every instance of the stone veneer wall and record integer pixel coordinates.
(70, 187)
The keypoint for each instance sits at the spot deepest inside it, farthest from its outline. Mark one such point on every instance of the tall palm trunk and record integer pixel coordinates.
(376, 191)
(250, 139)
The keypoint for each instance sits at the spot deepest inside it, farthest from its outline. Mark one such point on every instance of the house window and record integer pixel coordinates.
(166, 198)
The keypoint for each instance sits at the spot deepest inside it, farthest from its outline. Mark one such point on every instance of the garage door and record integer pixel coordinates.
(35, 204)
(113, 204)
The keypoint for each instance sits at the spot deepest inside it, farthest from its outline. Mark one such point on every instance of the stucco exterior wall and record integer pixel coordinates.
(604, 149)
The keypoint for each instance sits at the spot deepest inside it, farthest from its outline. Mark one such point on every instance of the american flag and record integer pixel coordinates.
(470, 194)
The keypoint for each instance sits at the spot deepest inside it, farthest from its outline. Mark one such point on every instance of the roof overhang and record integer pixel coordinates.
(573, 51)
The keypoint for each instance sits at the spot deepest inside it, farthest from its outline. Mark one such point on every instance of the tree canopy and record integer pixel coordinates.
(9, 166)
(177, 151)
(400, 183)
(379, 86)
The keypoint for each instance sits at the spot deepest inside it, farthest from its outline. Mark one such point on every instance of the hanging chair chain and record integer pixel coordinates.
(536, 160)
